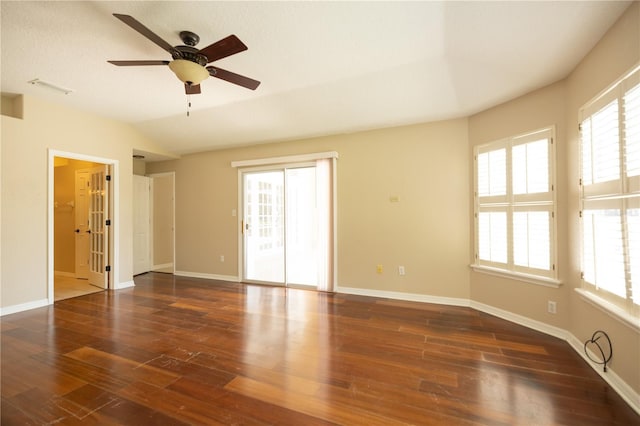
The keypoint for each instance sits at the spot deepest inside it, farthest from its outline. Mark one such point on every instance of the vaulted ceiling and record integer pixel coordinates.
(324, 67)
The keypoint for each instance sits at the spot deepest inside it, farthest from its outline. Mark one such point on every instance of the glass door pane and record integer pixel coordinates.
(264, 249)
(301, 227)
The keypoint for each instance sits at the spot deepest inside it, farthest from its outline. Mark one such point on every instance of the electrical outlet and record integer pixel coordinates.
(551, 307)
(222, 258)
(379, 269)
(400, 270)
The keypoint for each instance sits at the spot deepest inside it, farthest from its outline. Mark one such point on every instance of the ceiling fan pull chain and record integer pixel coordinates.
(188, 104)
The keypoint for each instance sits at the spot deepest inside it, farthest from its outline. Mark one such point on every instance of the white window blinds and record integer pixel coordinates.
(515, 204)
(610, 145)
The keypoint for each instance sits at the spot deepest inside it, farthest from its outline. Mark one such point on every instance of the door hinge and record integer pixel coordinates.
(107, 268)
(107, 222)
(553, 215)
(582, 275)
(580, 213)
(580, 181)
(108, 177)
(554, 266)
(551, 140)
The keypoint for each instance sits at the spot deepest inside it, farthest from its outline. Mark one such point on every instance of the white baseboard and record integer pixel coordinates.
(231, 278)
(620, 386)
(8, 310)
(64, 274)
(125, 284)
(521, 320)
(162, 266)
(412, 297)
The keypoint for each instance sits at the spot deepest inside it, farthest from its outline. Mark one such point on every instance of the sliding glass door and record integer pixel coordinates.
(280, 226)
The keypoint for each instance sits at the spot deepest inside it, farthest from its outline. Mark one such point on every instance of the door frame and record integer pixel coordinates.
(114, 202)
(266, 163)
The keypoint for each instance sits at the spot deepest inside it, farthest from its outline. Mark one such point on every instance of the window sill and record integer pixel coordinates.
(610, 309)
(527, 278)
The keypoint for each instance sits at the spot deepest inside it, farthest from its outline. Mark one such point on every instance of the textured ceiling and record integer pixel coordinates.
(325, 67)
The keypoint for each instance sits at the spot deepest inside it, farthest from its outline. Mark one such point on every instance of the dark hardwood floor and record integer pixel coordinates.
(175, 351)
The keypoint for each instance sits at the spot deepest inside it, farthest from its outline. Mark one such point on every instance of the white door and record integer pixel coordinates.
(82, 222)
(141, 227)
(99, 226)
(264, 237)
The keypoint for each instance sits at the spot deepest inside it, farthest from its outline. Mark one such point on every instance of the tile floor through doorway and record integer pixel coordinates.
(66, 287)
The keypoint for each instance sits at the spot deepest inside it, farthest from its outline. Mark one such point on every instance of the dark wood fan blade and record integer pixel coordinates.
(221, 49)
(137, 63)
(232, 77)
(194, 89)
(136, 25)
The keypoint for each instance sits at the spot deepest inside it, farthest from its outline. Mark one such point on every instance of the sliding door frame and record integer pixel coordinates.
(281, 163)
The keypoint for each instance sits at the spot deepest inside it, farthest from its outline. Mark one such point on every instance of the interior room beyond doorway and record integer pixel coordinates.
(71, 231)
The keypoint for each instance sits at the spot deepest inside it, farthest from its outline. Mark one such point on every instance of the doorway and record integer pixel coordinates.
(288, 225)
(162, 213)
(154, 223)
(80, 234)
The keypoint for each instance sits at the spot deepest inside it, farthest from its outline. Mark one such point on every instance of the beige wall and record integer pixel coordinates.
(614, 55)
(426, 231)
(139, 167)
(558, 104)
(25, 143)
(539, 109)
(64, 259)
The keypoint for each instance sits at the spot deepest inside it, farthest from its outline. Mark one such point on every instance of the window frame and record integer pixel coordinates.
(622, 194)
(512, 203)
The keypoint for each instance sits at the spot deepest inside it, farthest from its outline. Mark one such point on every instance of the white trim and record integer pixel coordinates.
(284, 160)
(125, 284)
(334, 200)
(412, 297)
(611, 309)
(64, 274)
(189, 274)
(8, 310)
(518, 276)
(521, 320)
(621, 387)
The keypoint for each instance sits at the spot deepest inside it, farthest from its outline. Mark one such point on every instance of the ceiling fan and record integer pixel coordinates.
(189, 63)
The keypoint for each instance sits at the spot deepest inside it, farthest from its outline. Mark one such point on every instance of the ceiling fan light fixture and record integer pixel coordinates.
(188, 72)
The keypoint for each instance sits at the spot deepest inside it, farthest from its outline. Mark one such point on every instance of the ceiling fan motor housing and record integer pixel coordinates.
(190, 54)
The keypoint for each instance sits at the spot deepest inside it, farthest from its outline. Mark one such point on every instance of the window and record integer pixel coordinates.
(515, 205)
(610, 193)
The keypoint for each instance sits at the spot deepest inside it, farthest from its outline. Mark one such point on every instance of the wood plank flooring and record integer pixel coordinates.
(175, 351)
